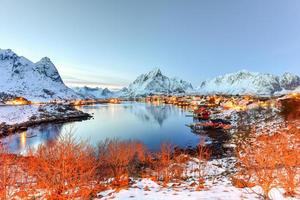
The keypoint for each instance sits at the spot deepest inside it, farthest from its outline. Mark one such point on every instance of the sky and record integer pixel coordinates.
(109, 43)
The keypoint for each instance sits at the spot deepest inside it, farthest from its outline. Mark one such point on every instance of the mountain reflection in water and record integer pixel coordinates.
(155, 113)
(148, 123)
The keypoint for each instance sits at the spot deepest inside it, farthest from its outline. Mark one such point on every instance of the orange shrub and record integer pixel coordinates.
(271, 160)
(203, 155)
(166, 165)
(165, 160)
(120, 159)
(14, 180)
(8, 175)
(64, 169)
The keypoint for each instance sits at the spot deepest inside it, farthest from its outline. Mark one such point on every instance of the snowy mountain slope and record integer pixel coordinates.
(289, 81)
(284, 92)
(94, 93)
(244, 82)
(34, 81)
(297, 90)
(154, 82)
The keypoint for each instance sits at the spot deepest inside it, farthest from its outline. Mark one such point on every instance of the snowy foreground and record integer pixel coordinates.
(217, 186)
(147, 189)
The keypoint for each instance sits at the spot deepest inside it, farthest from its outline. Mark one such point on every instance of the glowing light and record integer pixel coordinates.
(23, 138)
(295, 95)
(234, 106)
(18, 101)
(114, 101)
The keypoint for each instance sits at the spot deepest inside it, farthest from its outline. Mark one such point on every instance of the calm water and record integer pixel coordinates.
(151, 124)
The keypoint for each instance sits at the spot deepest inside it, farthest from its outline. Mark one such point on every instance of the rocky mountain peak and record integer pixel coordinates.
(34, 81)
(47, 68)
(154, 82)
(154, 72)
(6, 53)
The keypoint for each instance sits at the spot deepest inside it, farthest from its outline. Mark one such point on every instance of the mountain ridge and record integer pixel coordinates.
(155, 82)
(38, 81)
(246, 82)
(94, 92)
(41, 82)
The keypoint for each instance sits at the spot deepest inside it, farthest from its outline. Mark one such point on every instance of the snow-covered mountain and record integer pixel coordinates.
(289, 81)
(154, 82)
(34, 81)
(94, 93)
(284, 92)
(245, 82)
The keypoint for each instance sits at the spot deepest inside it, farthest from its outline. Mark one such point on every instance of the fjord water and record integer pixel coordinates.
(149, 123)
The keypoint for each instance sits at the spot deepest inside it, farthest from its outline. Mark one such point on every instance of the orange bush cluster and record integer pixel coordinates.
(272, 161)
(120, 159)
(203, 156)
(65, 169)
(69, 169)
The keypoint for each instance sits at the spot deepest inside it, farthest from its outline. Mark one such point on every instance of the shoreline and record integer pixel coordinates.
(54, 114)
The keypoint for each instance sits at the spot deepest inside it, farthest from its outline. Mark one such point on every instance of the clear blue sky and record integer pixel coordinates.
(110, 42)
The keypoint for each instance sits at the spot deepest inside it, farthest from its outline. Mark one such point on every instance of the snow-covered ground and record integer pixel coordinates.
(17, 114)
(263, 118)
(145, 189)
(150, 190)
(14, 115)
(217, 187)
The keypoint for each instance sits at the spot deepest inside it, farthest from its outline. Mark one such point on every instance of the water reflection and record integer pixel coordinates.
(23, 136)
(151, 124)
(20, 142)
(154, 113)
(216, 141)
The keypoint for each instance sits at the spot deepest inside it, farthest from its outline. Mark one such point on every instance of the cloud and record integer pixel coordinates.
(79, 82)
(84, 76)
